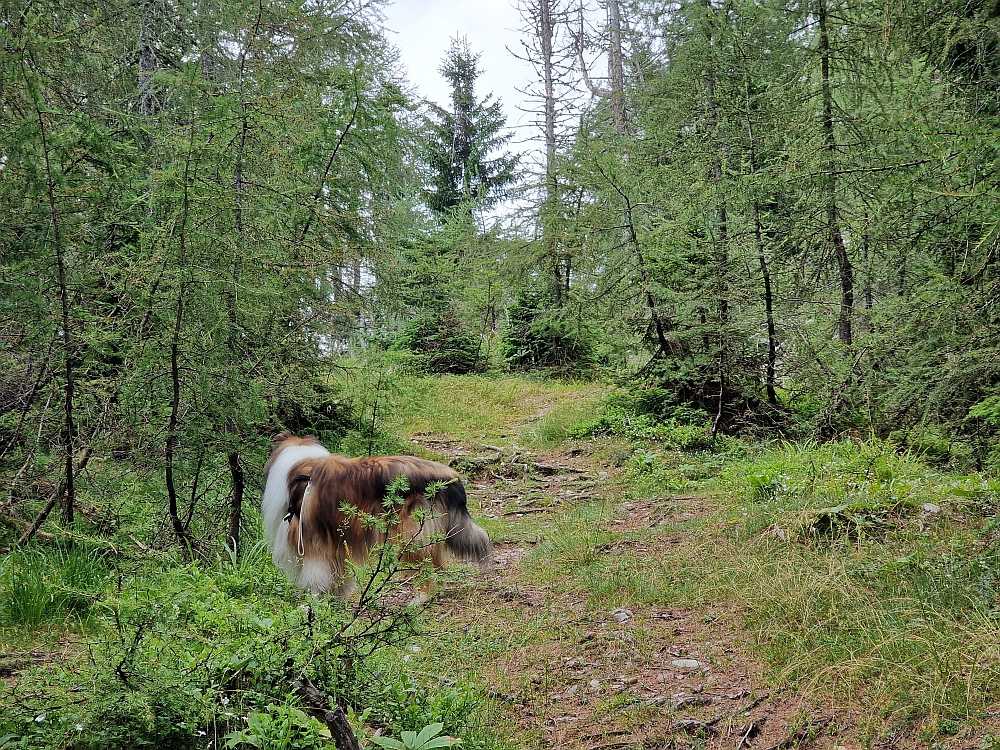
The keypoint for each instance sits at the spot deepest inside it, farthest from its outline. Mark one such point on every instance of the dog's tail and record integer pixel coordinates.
(465, 539)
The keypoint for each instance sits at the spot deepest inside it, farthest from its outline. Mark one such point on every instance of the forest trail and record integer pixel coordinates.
(569, 653)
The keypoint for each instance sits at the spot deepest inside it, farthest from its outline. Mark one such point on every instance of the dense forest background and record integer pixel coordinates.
(220, 219)
(782, 216)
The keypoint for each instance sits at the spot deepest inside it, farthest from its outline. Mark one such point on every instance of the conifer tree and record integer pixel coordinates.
(464, 145)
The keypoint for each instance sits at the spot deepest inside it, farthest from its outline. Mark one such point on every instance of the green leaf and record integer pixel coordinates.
(441, 742)
(431, 730)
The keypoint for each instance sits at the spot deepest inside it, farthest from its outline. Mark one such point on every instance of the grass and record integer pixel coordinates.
(835, 634)
(504, 409)
(869, 579)
(823, 562)
(60, 584)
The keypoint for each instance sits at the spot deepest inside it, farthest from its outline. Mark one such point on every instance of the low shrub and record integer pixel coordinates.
(442, 342)
(539, 336)
(651, 414)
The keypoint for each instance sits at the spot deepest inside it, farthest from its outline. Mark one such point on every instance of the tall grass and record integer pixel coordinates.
(835, 633)
(39, 585)
(869, 575)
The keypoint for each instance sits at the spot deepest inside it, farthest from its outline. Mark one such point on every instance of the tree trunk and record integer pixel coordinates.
(170, 448)
(173, 423)
(722, 236)
(772, 339)
(546, 33)
(236, 502)
(69, 429)
(616, 68)
(835, 237)
(660, 327)
(147, 58)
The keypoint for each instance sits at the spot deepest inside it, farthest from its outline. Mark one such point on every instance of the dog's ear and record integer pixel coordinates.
(280, 438)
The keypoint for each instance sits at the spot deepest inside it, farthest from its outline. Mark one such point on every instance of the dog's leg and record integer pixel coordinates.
(315, 575)
(346, 588)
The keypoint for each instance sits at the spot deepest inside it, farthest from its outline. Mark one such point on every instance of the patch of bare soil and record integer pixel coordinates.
(643, 677)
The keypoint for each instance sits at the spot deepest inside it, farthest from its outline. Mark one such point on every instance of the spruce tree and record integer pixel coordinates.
(464, 146)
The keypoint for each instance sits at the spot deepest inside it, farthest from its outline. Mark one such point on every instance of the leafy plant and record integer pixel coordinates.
(280, 727)
(426, 739)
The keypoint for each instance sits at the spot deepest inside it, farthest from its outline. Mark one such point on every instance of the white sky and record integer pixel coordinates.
(423, 32)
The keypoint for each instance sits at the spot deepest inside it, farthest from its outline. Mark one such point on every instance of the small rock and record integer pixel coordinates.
(686, 663)
(931, 508)
(571, 691)
(594, 684)
(622, 615)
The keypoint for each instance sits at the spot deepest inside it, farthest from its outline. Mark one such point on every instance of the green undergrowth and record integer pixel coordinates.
(858, 572)
(502, 408)
(163, 653)
(863, 572)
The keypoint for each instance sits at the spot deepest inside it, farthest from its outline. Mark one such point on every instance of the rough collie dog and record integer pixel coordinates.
(321, 510)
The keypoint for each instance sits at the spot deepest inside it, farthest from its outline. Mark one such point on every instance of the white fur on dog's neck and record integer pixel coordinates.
(274, 507)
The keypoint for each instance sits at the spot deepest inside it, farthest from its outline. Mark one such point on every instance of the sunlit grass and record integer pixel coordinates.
(505, 409)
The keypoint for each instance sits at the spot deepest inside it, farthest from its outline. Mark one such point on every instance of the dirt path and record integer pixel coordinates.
(571, 673)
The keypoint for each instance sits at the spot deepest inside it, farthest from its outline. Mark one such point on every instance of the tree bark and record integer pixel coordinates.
(660, 327)
(173, 423)
(236, 502)
(772, 339)
(616, 67)
(69, 429)
(546, 33)
(835, 237)
(147, 58)
(53, 499)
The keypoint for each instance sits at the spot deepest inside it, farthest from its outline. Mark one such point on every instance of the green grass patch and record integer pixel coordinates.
(869, 576)
(41, 585)
(503, 408)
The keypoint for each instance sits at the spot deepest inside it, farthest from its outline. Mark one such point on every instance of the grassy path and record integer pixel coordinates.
(622, 615)
(841, 595)
(594, 629)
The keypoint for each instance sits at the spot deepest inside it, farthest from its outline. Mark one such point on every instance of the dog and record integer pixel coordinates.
(322, 510)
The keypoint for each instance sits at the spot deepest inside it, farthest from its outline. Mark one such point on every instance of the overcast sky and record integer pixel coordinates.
(423, 29)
